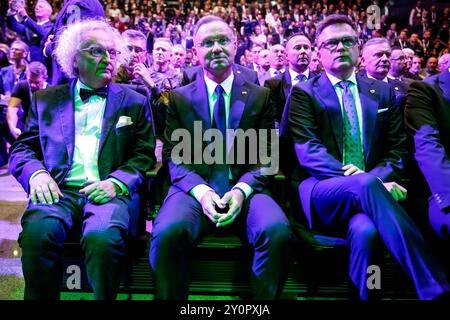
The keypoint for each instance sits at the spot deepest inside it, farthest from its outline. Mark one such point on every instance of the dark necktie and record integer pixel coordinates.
(301, 77)
(219, 176)
(277, 72)
(352, 139)
(85, 94)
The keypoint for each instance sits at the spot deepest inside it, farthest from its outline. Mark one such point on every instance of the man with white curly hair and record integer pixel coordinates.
(81, 158)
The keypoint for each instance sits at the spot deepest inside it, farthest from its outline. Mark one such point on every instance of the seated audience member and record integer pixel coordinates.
(205, 197)
(178, 58)
(264, 66)
(430, 68)
(350, 144)
(414, 72)
(16, 71)
(427, 114)
(32, 31)
(315, 65)
(277, 60)
(20, 102)
(83, 154)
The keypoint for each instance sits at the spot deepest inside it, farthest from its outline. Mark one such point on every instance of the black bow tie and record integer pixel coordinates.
(85, 94)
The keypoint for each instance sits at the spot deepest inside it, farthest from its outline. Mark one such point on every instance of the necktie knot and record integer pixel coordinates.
(345, 84)
(301, 77)
(219, 90)
(85, 94)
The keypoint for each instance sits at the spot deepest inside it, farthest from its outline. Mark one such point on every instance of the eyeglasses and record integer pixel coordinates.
(347, 42)
(135, 49)
(99, 52)
(209, 43)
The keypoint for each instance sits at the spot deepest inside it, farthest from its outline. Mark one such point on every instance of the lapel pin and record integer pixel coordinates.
(238, 71)
(244, 93)
(396, 88)
(372, 90)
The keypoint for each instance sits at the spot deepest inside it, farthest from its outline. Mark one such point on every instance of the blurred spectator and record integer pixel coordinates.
(32, 31)
(444, 62)
(10, 75)
(178, 58)
(277, 60)
(430, 69)
(414, 71)
(315, 65)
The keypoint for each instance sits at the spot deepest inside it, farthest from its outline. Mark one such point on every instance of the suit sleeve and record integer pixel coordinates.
(133, 171)
(304, 128)
(40, 30)
(391, 167)
(15, 25)
(182, 175)
(26, 153)
(429, 152)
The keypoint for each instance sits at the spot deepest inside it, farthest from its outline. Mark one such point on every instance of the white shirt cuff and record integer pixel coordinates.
(122, 186)
(244, 187)
(199, 191)
(35, 174)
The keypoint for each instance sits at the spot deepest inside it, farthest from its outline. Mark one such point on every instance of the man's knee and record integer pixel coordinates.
(166, 232)
(276, 234)
(40, 233)
(103, 240)
(362, 232)
(366, 181)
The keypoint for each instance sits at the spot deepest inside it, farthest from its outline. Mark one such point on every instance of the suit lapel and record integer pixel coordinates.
(325, 92)
(239, 95)
(368, 94)
(287, 83)
(200, 102)
(113, 103)
(66, 112)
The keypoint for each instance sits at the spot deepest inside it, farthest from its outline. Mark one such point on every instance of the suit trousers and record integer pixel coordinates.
(362, 202)
(103, 231)
(181, 222)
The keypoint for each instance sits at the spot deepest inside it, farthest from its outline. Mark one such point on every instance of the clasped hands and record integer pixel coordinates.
(43, 189)
(396, 190)
(234, 199)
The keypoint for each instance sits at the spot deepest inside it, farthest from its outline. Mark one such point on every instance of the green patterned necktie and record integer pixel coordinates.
(353, 152)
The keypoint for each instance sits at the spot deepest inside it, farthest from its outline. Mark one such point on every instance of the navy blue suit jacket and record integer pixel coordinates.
(316, 126)
(427, 114)
(47, 143)
(249, 109)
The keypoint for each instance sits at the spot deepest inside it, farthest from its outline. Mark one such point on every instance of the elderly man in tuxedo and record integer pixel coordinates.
(222, 195)
(81, 158)
(350, 144)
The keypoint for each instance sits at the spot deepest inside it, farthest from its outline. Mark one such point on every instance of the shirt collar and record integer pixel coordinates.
(294, 74)
(393, 78)
(384, 80)
(334, 80)
(43, 22)
(226, 84)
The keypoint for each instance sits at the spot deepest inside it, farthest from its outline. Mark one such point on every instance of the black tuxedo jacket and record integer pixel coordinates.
(125, 153)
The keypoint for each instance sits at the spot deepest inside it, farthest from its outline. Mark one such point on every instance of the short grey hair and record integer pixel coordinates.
(71, 39)
(375, 42)
(134, 34)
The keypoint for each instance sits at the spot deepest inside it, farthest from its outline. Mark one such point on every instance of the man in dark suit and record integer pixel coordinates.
(221, 195)
(247, 74)
(72, 11)
(32, 31)
(298, 53)
(376, 57)
(427, 112)
(350, 144)
(81, 158)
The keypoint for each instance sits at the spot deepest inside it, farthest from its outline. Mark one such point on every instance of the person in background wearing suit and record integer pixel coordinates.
(264, 66)
(83, 154)
(427, 114)
(32, 31)
(71, 12)
(350, 144)
(376, 57)
(221, 196)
